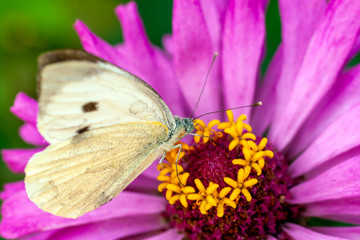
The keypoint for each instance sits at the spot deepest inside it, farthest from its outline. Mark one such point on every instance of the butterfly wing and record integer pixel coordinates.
(72, 178)
(79, 92)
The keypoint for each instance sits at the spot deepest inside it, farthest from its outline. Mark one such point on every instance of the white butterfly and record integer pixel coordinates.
(104, 125)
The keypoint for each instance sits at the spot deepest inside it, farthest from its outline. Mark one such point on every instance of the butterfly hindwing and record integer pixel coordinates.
(74, 177)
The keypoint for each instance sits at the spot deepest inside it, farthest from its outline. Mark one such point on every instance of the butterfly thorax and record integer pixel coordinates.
(183, 125)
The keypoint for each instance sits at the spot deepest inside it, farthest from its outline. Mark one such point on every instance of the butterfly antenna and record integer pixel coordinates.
(252, 105)
(202, 90)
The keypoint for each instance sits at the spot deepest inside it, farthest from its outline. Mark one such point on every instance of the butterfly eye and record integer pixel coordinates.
(189, 125)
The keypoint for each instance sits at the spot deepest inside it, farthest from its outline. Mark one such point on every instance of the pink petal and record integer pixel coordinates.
(351, 233)
(16, 159)
(243, 41)
(25, 108)
(135, 40)
(40, 235)
(21, 217)
(336, 209)
(299, 19)
(171, 234)
(341, 136)
(10, 189)
(263, 114)
(144, 184)
(31, 135)
(344, 218)
(152, 172)
(151, 64)
(214, 14)
(341, 181)
(111, 229)
(355, 49)
(344, 95)
(271, 238)
(325, 56)
(193, 52)
(94, 45)
(298, 232)
(168, 45)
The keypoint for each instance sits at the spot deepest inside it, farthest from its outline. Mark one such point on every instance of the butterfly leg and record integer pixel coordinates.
(162, 159)
(194, 134)
(176, 162)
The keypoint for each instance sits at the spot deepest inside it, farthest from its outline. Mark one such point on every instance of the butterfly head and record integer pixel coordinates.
(186, 124)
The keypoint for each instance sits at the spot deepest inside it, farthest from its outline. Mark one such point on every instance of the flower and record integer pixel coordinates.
(310, 116)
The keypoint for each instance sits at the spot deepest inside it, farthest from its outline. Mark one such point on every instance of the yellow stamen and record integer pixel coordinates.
(230, 203)
(246, 193)
(241, 139)
(241, 184)
(165, 171)
(224, 192)
(241, 162)
(249, 135)
(168, 195)
(252, 145)
(254, 155)
(183, 201)
(194, 197)
(231, 131)
(184, 177)
(202, 207)
(162, 186)
(205, 130)
(230, 115)
(188, 190)
(174, 199)
(262, 143)
(213, 123)
(199, 185)
(220, 210)
(231, 182)
(173, 188)
(269, 154)
(211, 200)
(233, 144)
(261, 162)
(247, 127)
(211, 188)
(234, 194)
(257, 168)
(250, 183)
(164, 178)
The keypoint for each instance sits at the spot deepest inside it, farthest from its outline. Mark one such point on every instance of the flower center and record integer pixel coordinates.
(230, 184)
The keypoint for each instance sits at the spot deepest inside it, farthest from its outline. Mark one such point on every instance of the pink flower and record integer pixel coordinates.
(311, 111)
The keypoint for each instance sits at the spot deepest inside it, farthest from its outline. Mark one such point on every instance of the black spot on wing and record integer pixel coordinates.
(82, 130)
(89, 107)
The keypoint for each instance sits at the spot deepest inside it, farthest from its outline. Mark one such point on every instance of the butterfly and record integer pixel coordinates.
(104, 125)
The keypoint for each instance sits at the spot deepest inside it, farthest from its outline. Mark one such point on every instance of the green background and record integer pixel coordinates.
(28, 28)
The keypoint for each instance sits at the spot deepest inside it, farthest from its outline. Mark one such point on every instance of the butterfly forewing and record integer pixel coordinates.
(74, 177)
(79, 92)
